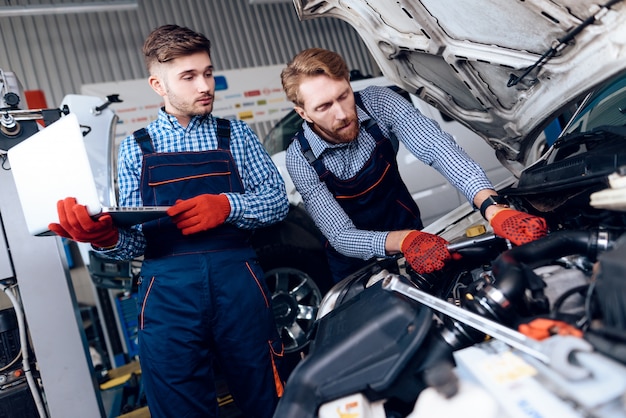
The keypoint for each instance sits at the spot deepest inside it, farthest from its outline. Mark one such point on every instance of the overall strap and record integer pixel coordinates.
(143, 139)
(223, 133)
(370, 126)
(316, 163)
(305, 147)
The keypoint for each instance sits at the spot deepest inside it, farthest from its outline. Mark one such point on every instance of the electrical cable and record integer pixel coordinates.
(556, 306)
(4, 159)
(24, 348)
(9, 365)
(585, 321)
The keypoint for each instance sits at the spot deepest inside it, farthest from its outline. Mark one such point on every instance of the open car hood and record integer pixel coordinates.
(503, 68)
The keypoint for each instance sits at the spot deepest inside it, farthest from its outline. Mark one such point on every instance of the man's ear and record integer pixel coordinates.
(300, 111)
(156, 85)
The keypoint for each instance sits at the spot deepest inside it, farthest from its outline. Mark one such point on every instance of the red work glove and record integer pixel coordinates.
(425, 252)
(75, 223)
(200, 213)
(518, 227)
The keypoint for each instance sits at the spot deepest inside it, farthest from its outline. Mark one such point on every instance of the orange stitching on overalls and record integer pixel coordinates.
(282, 349)
(176, 180)
(145, 300)
(369, 188)
(267, 304)
(185, 164)
(405, 207)
(278, 383)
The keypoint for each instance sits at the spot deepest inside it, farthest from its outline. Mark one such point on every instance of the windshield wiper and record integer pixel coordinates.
(561, 42)
(596, 134)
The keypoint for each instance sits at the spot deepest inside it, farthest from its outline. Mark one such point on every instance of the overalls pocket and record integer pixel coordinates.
(181, 179)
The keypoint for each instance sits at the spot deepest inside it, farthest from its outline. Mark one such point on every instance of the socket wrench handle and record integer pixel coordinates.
(507, 335)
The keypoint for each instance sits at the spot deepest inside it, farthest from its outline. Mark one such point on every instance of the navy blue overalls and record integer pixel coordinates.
(375, 198)
(202, 297)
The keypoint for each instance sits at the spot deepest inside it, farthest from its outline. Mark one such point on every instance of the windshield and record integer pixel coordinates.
(605, 107)
(590, 148)
(279, 137)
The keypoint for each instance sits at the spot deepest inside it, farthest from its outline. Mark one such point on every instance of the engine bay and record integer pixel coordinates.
(571, 282)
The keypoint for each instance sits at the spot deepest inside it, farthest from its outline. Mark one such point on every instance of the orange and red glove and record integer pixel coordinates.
(200, 213)
(518, 227)
(425, 252)
(75, 223)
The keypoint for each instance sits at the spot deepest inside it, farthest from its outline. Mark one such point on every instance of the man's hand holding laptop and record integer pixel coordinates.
(75, 223)
(200, 213)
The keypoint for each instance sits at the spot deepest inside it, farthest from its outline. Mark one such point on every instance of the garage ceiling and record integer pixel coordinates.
(47, 7)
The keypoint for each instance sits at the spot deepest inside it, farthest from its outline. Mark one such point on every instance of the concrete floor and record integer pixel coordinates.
(228, 409)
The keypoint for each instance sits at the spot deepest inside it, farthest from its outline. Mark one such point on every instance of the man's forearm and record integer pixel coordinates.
(393, 243)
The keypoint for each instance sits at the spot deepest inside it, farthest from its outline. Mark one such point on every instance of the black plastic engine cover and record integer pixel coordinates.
(363, 346)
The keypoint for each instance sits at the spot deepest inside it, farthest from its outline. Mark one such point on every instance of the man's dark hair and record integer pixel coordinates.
(169, 42)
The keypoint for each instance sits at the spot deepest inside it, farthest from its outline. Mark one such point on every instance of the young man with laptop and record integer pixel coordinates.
(201, 290)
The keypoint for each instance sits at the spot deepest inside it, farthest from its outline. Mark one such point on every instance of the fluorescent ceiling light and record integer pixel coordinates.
(269, 1)
(66, 8)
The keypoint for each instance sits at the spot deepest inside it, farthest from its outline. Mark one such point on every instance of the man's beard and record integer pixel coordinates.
(337, 135)
(189, 108)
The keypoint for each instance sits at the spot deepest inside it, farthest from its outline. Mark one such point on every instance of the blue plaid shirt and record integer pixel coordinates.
(264, 201)
(421, 135)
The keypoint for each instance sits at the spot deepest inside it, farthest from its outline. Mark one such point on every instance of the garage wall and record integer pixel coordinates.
(59, 53)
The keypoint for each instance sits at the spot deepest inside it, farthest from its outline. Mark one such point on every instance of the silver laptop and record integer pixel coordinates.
(53, 164)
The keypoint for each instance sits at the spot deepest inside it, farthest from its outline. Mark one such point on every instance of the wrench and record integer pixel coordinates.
(468, 243)
(553, 352)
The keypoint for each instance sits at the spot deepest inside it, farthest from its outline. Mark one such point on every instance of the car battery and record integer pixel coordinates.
(369, 345)
(526, 387)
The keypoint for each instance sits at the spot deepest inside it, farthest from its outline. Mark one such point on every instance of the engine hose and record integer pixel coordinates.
(507, 268)
(496, 300)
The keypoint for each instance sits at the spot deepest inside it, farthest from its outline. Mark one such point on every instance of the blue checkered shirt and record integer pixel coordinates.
(421, 135)
(264, 201)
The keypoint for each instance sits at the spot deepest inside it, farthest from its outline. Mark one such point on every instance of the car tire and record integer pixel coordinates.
(297, 280)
